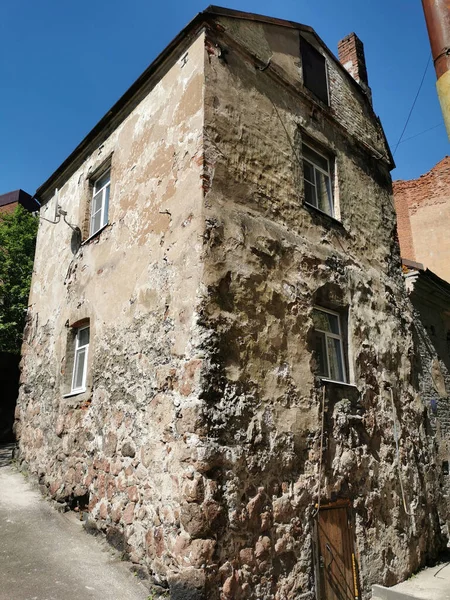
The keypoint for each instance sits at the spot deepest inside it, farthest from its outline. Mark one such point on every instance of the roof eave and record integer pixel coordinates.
(102, 128)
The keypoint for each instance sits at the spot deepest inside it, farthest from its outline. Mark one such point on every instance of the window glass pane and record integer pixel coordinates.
(323, 193)
(106, 207)
(78, 373)
(97, 202)
(316, 158)
(104, 179)
(96, 222)
(308, 172)
(310, 194)
(335, 359)
(325, 321)
(83, 336)
(321, 354)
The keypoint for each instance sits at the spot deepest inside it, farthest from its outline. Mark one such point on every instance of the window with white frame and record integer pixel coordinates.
(317, 180)
(329, 344)
(100, 203)
(80, 359)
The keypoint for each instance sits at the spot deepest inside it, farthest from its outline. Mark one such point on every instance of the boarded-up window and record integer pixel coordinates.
(314, 70)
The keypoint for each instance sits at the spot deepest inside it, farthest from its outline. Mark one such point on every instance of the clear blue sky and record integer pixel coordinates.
(63, 65)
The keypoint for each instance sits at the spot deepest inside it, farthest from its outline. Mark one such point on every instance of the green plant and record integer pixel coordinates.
(17, 244)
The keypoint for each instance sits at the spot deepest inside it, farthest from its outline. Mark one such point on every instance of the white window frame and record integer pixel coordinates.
(78, 350)
(104, 209)
(326, 173)
(336, 337)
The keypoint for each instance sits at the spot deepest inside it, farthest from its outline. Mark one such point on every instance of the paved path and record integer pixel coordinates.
(430, 584)
(46, 555)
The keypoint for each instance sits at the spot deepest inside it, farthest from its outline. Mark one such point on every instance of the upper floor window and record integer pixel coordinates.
(317, 179)
(329, 344)
(100, 203)
(314, 70)
(80, 359)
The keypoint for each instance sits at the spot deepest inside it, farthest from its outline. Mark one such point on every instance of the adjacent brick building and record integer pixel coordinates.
(223, 373)
(10, 200)
(423, 215)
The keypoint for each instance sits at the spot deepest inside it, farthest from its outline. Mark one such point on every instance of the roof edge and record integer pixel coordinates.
(103, 127)
(78, 154)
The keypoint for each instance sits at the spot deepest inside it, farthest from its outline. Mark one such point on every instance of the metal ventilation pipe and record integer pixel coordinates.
(437, 16)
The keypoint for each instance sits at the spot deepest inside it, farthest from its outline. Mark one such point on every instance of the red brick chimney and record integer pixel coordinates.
(351, 56)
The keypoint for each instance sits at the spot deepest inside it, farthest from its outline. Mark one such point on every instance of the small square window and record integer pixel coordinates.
(80, 359)
(317, 180)
(329, 344)
(100, 203)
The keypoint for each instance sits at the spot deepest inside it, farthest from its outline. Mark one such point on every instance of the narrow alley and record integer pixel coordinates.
(46, 555)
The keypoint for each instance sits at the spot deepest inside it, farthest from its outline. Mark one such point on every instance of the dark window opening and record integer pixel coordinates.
(445, 469)
(314, 70)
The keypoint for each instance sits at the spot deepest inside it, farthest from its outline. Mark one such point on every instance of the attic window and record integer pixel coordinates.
(314, 70)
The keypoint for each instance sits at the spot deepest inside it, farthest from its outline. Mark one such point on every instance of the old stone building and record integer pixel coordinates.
(430, 298)
(220, 368)
(423, 214)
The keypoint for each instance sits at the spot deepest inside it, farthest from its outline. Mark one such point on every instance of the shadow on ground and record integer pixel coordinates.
(6, 452)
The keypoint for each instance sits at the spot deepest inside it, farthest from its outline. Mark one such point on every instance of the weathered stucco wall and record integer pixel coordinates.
(198, 440)
(122, 442)
(429, 297)
(268, 260)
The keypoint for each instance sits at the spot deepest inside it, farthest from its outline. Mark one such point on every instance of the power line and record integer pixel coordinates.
(424, 131)
(413, 105)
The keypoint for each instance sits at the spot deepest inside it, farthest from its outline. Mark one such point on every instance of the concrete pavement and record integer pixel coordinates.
(432, 583)
(46, 555)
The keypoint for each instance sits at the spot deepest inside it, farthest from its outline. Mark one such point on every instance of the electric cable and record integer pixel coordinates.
(421, 133)
(413, 105)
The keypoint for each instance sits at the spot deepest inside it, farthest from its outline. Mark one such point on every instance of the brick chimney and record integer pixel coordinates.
(351, 56)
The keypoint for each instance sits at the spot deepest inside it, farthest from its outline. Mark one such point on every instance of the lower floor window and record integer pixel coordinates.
(328, 344)
(80, 359)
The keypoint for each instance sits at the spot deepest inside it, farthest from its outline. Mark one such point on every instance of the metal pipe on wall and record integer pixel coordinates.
(437, 17)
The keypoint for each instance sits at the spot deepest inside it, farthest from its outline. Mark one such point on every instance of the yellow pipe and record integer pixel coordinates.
(355, 579)
(443, 91)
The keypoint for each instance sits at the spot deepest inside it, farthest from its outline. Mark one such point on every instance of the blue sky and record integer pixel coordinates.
(63, 65)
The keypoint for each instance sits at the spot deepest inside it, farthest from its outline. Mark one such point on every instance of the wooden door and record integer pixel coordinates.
(337, 565)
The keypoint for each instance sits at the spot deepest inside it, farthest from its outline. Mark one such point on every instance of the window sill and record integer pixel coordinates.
(326, 106)
(320, 212)
(324, 381)
(94, 235)
(75, 393)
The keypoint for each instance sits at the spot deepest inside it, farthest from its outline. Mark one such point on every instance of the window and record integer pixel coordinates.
(80, 359)
(100, 203)
(328, 344)
(317, 179)
(314, 70)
